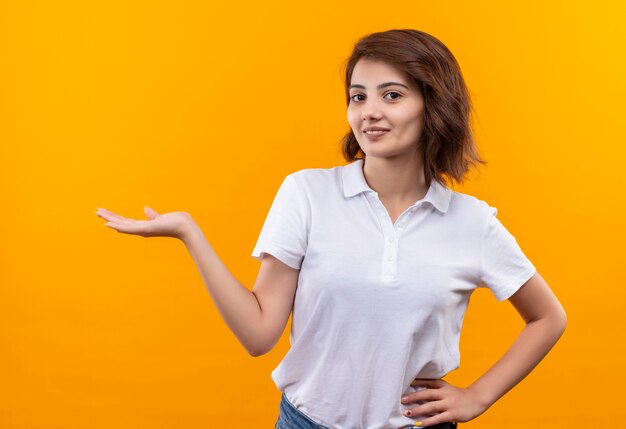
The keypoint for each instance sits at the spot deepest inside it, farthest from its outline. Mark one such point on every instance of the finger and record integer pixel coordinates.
(109, 215)
(434, 383)
(444, 417)
(121, 220)
(128, 227)
(421, 395)
(429, 408)
(151, 213)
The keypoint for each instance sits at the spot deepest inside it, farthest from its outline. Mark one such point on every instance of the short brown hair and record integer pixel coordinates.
(447, 139)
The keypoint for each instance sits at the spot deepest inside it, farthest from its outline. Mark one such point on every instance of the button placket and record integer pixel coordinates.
(390, 254)
(391, 235)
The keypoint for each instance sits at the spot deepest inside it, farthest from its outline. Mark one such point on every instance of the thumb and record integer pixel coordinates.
(150, 212)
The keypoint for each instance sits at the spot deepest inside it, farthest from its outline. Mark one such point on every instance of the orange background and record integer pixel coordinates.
(205, 108)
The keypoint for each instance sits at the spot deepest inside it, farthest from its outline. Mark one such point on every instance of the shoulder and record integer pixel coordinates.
(316, 179)
(470, 207)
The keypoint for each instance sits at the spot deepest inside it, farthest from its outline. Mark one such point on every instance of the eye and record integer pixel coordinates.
(396, 95)
(354, 97)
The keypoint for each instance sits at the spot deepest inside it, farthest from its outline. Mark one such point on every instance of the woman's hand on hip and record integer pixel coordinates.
(443, 402)
(173, 224)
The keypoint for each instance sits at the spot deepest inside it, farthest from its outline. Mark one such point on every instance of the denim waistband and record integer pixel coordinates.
(292, 418)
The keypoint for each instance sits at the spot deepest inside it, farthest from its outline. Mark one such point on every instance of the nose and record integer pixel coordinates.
(370, 110)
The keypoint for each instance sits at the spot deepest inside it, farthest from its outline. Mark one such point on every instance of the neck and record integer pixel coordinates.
(396, 179)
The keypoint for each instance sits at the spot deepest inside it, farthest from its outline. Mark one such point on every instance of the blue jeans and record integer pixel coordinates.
(292, 418)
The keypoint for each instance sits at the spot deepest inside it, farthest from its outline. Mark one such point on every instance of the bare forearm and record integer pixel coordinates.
(530, 347)
(545, 322)
(237, 305)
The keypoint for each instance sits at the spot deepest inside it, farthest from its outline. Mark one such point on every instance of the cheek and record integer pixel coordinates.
(411, 123)
(353, 118)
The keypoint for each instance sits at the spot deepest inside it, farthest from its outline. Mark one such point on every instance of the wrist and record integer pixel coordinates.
(188, 228)
(484, 396)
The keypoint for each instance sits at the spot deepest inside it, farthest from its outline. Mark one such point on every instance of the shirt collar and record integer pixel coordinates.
(354, 183)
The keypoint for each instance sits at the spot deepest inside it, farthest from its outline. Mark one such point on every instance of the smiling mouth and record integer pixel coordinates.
(375, 132)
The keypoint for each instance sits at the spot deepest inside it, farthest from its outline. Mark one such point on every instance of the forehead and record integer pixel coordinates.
(375, 71)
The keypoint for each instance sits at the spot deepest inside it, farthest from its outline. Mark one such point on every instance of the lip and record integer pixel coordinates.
(375, 129)
(375, 136)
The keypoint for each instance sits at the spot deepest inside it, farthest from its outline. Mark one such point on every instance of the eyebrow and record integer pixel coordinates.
(382, 85)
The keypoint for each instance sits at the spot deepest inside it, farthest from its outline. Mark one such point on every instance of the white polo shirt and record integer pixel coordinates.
(378, 304)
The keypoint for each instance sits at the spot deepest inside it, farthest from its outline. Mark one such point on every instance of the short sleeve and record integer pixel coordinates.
(504, 267)
(285, 232)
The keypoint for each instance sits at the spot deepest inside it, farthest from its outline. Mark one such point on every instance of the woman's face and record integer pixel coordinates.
(386, 109)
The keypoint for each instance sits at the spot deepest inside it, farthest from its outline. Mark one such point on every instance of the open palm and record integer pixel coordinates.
(171, 224)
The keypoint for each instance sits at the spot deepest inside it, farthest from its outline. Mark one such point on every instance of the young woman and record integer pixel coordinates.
(378, 258)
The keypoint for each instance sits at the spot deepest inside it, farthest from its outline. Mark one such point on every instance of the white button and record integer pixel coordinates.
(390, 257)
(390, 239)
(400, 225)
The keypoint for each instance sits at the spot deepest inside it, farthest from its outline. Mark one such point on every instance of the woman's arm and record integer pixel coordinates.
(257, 317)
(545, 322)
